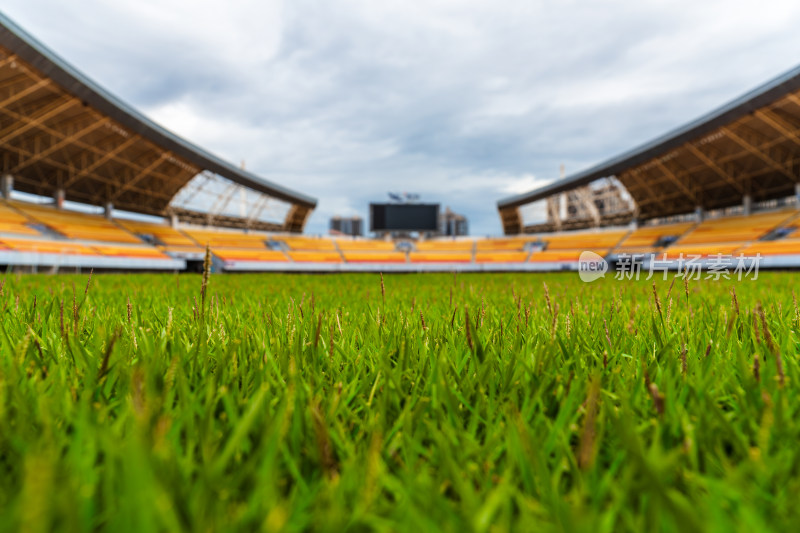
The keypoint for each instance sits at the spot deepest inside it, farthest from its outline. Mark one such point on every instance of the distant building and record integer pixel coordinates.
(452, 224)
(353, 226)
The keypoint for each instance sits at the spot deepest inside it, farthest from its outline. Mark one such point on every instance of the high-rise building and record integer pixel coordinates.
(452, 224)
(353, 226)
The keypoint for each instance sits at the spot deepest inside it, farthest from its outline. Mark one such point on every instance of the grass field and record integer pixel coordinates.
(426, 402)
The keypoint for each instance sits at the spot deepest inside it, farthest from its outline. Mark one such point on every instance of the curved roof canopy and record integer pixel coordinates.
(60, 130)
(748, 146)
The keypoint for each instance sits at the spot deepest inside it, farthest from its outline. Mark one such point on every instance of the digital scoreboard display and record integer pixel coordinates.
(403, 217)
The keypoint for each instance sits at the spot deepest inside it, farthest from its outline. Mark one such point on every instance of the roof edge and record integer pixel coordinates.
(51, 65)
(747, 103)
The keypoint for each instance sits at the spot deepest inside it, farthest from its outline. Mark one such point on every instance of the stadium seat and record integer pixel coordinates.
(738, 229)
(227, 239)
(501, 257)
(701, 250)
(509, 244)
(47, 246)
(374, 257)
(643, 240)
(161, 233)
(12, 221)
(445, 246)
(315, 257)
(248, 254)
(75, 225)
(584, 240)
(308, 243)
(548, 256)
(766, 248)
(347, 245)
(440, 257)
(139, 252)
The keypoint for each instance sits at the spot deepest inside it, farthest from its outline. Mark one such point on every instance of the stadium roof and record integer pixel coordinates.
(748, 146)
(61, 130)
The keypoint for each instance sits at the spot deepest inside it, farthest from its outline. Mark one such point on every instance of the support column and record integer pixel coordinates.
(58, 198)
(699, 213)
(797, 194)
(173, 221)
(747, 204)
(108, 210)
(6, 186)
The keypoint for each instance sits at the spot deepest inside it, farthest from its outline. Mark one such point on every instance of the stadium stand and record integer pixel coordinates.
(740, 157)
(75, 225)
(364, 245)
(700, 250)
(501, 256)
(305, 256)
(441, 257)
(737, 229)
(112, 156)
(498, 245)
(772, 248)
(650, 239)
(374, 257)
(308, 244)
(561, 256)
(14, 222)
(445, 246)
(141, 252)
(43, 246)
(249, 254)
(603, 239)
(159, 234)
(227, 239)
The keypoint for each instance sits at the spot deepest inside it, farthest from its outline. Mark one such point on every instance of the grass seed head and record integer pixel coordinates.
(206, 276)
(684, 364)
(756, 368)
(547, 298)
(658, 398)
(467, 328)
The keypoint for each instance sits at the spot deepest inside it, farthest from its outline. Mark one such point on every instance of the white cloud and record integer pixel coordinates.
(465, 102)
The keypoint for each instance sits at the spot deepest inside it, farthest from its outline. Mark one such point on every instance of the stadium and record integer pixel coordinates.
(142, 387)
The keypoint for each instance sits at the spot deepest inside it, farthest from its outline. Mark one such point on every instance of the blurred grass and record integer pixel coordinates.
(452, 403)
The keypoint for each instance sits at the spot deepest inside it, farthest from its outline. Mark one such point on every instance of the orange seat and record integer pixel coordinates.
(583, 240)
(315, 257)
(374, 257)
(48, 247)
(739, 229)
(142, 252)
(647, 236)
(440, 257)
(12, 221)
(227, 239)
(780, 247)
(445, 246)
(501, 257)
(346, 245)
(496, 245)
(701, 250)
(162, 233)
(75, 225)
(308, 243)
(236, 254)
(548, 256)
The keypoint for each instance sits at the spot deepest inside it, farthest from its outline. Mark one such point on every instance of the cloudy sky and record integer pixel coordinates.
(463, 102)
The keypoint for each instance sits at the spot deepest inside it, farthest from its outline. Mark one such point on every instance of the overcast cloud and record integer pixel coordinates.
(464, 102)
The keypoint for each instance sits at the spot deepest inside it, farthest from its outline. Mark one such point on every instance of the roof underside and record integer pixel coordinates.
(749, 146)
(59, 130)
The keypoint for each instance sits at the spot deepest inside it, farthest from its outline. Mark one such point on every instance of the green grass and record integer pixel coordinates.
(297, 402)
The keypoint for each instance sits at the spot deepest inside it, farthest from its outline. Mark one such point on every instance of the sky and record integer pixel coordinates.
(463, 102)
